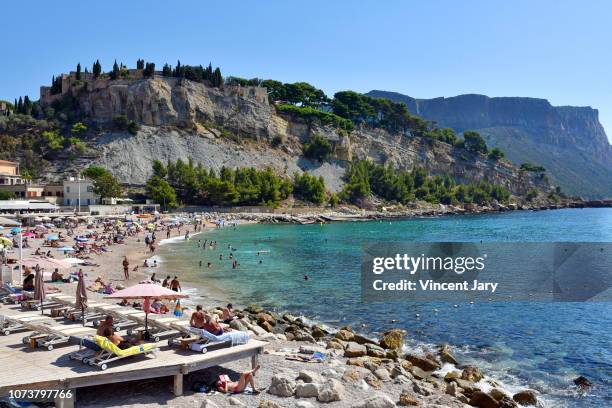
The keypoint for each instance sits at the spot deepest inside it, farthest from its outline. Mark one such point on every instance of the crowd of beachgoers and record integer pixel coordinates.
(305, 364)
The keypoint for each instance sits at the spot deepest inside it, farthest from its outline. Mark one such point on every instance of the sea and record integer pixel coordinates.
(536, 345)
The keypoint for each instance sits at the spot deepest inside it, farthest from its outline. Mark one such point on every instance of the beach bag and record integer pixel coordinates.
(178, 310)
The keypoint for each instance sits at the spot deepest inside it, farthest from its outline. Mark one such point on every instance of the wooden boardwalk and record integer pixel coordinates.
(22, 367)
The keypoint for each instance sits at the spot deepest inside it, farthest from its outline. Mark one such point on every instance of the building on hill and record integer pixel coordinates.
(9, 173)
(79, 192)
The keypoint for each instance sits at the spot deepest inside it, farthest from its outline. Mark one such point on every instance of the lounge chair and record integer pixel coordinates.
(11, 324)
(111, 352)
(206, 341)
(48, 336)
(159, 326)
(120, 321)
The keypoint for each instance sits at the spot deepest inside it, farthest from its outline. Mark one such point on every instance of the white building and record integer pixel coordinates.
(79, 191)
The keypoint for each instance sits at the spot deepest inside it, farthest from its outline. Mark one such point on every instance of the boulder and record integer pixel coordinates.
(451, 389)
(393, 354)
(309, 376)
(235, 402)
(446, 356)
(419, 373)
(452, 376)
(377, 401)
(331, 390)
(483, 400)
(507, 402)
(335, 345)
(402, 379)
(373, 381)
(398, 370)
(355, 362)
(266, 326)
(303, 336)
(344, 335)
(268, 404)
(408, 399)
(468, 387)
(471, 374)
(582, 382)
(254, 309)
(423, 363)
(317, 332)
(306, 390)
(392, 339)
(374, 350)
(383, 374)
(289, 318)
(239, 324)
(304, 404)
(498, 394)
(282, 386)
(208, 404)
(358, 338)
(421, 389)
(259, 331)
(355, 350)
(527, 397)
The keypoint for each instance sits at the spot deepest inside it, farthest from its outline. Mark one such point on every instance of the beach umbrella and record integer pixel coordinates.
(28, 234)
(47, 263)
(81, 239)
(49, 225)
(52, 238)
(39, 288)
(16, 230)
(6, 241)
(65, 249)
(81, 296)
(74, 261)
(146, 292)
(40, 227)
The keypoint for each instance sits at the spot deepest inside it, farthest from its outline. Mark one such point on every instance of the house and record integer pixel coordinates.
(79, 192)
(9, 173)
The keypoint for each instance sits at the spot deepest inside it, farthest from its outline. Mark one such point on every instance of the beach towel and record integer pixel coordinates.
(108, 345)
(236, 337)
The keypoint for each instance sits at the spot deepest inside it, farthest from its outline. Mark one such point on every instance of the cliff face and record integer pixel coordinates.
(569, 141)
(220, 127)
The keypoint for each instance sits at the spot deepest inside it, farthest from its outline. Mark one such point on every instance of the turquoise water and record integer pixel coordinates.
(539, 345)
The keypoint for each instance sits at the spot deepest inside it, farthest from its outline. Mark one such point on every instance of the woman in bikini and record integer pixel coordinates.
(225, 385)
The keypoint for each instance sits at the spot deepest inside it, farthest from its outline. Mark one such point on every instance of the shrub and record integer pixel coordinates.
(133, 127)
(276, 141)
(317, 148)
(496, 154)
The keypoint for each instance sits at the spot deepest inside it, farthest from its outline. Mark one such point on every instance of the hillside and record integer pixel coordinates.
(568, 141)
(133, 120)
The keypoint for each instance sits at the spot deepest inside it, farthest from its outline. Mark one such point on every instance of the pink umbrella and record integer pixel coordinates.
(147, 291)
(39, 289)
(46, 263)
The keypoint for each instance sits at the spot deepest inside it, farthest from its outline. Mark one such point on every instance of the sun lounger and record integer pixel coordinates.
(48, 336)
(159, 326)
(111, 352)
(11, 324)
(120, 322)
(236, 337)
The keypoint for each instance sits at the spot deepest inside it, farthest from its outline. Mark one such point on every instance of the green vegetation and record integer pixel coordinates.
(496, 154)
(534, 168)
(97, 69)
(307, 187)
(78, 128)
(311, 115)
(122, 123)
(104, 183)
(195, 73)
(187, 183)
(6, 195)
(364, 178)
(473, 142)
(317, 148)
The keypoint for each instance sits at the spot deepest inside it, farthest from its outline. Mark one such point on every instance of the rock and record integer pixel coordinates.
(451, 388)
(527, 397)
(582, 382)
(267, 337)
(335, 345)
(452, 375)
(467, 386)
(375, 351)
(408, 399)
(446, 356)
(306, 390)
(377, 401)
(358, 338)
(355, 350)
(236, 402)
(331, 390)
(498, 394)
(344, 335)
(303, 336)
(373, 381)
(282, 386)
(383, 374)
(471, 374)
(423, 363)
(308, 349)
(402, 379)
(421, 389)
(352, 375)
(309, 376)
(393, 339)
(254, 309)
(304, 404)
(483, 400)
(406, 365)
(281, 337)
(266, 326)
(239, 324)
(463, 398)
(507, 402)
(317, 332)
(259, 331)
(359, 362)
(208, 404)
(268, 404)
(393, 354)
(397, 371)
(290, 336)
(289, 318)
(419, 373)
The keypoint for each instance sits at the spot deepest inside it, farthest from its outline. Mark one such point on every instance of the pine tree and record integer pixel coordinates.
(217, 79)
(149, 70)
(167, 70)
(20, 105)
(78, 71)
(140, 64)
(27, 106)
(115, 72)
(178, 71)
(86, 70)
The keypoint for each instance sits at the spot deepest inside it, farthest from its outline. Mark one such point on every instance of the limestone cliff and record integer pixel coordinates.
(569, 141)
(228, 127)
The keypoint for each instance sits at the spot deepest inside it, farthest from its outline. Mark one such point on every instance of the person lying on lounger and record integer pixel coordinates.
(225, 385)
(119, 341)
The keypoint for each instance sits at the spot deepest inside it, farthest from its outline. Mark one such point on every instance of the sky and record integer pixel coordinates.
(553, 49)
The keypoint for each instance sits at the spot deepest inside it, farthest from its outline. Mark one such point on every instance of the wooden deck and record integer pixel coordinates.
(26, 368)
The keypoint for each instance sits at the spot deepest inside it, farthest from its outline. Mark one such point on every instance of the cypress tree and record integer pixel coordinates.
(97, 69)
(217, 78)
(27, 105)
(20, 105)
(78, 71)
(115, 72)
(167, 70)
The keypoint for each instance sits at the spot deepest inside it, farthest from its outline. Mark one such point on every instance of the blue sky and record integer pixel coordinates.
(553, 49)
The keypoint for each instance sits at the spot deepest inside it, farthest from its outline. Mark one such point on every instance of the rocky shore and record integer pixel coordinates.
(346, 213)
(359, 371)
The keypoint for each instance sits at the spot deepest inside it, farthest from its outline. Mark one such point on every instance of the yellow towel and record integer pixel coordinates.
(108, 345)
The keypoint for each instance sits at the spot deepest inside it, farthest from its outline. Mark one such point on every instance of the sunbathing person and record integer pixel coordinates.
(105, 324)
(28, 282)
(212, 326)
(228, 314)
(119, 341)
(225, 385)
(198, 318)
(56, 276)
